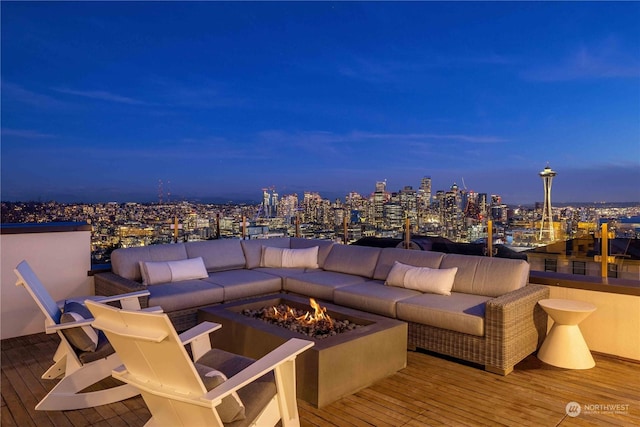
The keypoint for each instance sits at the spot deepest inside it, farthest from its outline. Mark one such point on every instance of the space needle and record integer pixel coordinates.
(547, 216)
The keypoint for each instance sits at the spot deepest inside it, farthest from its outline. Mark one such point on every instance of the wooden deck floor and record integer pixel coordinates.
(431, 391)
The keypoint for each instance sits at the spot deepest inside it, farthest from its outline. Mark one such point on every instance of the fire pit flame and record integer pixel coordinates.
(319, 315)
(317, 324)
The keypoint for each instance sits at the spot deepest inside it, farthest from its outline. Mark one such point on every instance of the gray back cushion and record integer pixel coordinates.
(487, 276)
(418, 258)
(324, 247)
(498, 276)
(218, 255)
(125, 261)
(351, 259)
(253, 249)
(466, 271)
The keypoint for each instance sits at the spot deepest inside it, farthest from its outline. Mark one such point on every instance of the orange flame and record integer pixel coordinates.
(319, 314)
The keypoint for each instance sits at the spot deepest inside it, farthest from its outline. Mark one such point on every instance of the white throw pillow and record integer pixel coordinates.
(289, 258)
(424, 279)
(188, 269)
(300, 258)
(271, 257)
(431, 280)
(397, 273)
(154, 272)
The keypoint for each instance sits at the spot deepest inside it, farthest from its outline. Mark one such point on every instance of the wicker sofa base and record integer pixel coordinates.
(515, 327)
(450, 343)
(469, 348)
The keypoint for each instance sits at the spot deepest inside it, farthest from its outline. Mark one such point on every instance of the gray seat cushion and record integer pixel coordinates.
(373, 297)
(319, 284)
(283, 272)
(103, 350)
(254, 395)
(245, 283)
(183, 295)
(457, 312)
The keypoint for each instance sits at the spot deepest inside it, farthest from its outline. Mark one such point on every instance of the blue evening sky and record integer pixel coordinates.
(101, 100)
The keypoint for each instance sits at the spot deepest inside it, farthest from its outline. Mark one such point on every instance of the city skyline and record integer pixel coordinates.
(101, 101)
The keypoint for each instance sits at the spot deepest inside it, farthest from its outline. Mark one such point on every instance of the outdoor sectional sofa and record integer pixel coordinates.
(490, 318)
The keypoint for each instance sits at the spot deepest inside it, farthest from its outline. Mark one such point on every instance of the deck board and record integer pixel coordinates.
(431, 391)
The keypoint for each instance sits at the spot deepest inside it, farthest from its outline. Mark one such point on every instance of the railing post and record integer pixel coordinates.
(604, 251)
(407, 234)
(244, 226)
(345, 229)
(490, 238)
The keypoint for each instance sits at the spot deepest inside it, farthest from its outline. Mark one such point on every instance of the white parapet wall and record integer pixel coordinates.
(60, 254)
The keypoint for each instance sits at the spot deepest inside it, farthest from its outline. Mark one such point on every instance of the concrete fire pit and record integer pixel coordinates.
(335, 366)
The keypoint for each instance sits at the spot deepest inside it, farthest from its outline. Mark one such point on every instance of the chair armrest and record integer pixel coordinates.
(284, 353)
(515, 324)
(110, 284)
(154, 309)
(198, 337)
(129, 301)
(50, 329)
(505, 308)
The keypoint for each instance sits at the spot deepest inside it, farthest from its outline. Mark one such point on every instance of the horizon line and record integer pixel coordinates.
(257, 202)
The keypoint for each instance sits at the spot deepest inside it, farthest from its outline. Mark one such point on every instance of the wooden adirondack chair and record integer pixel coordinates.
(77, 369)
(218, 389)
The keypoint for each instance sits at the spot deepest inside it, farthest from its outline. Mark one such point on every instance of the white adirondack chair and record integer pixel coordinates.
(68, 365)
(177, 390)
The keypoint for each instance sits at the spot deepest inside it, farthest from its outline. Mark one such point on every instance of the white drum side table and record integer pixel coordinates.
(565, 346)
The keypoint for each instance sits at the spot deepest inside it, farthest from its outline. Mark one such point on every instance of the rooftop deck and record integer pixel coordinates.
(430, 391)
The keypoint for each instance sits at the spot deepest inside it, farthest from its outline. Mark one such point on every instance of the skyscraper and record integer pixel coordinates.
(547, 216)
(483, 205)
(408, 200)
(425, 191)
(379, 199)
(451, 214)
(269, 202)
